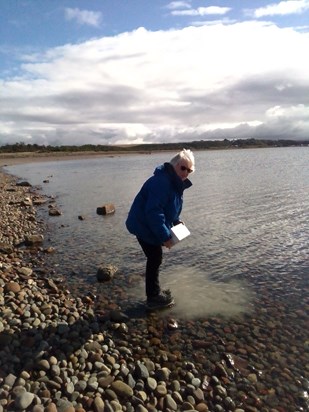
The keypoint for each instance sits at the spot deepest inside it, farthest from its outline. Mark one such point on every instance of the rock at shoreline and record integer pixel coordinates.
(54, 211)
(106, 209)
(106, 272)
(38, 200)
(34, 239)
(23, 184)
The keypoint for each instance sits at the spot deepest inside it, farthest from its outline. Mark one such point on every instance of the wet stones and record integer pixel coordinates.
(17, 214)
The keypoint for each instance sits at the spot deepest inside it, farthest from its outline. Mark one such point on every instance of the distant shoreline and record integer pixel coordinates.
(15, 158)
(11, 159)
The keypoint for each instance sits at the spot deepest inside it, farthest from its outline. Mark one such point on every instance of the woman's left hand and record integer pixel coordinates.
(169, 243)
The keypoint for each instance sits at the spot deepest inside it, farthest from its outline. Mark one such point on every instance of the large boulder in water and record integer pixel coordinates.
(34, 239)
(106, 209)
(106, 272)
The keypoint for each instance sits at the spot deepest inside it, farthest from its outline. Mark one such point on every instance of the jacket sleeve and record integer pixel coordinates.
(158, 194)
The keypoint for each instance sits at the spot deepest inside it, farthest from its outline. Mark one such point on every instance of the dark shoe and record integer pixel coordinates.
(160, 301)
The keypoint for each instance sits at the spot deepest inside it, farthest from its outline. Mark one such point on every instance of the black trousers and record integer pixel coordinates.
(154, 255)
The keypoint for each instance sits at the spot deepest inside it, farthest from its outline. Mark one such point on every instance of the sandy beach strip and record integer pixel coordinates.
(10, 159)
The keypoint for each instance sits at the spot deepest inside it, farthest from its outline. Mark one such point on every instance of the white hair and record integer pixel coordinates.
(185, 154)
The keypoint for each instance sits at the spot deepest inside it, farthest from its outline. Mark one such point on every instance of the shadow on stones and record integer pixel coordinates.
(25, 350)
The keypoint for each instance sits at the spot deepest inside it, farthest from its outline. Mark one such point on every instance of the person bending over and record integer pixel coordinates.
(155, 209)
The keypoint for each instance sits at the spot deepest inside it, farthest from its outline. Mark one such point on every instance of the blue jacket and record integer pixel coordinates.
(157, 206)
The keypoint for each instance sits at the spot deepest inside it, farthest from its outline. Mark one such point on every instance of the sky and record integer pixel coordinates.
(116, 72)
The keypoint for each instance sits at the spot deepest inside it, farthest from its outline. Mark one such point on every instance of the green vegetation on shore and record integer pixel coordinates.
(195, 145)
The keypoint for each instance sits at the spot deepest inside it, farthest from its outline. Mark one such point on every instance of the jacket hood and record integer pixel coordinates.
(168, 169)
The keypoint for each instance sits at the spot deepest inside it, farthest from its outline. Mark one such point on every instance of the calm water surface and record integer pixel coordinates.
(248, 212)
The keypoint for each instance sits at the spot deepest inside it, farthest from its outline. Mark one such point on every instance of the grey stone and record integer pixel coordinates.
(6, 248)
(106, 209)
(23, 183)
(81, 385)
(98, 404)
(141, 372)
(69, 388)
(24, 400)
(151, 383)
(33, 239)
(10, 380)
(54, 211)
(170, 403)
(106, 272)
(163, 374)
(122, 389)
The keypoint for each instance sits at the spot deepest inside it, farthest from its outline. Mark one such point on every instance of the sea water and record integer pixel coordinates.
(247, 211)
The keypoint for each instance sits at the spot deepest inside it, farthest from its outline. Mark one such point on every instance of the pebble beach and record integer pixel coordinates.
(68, 352)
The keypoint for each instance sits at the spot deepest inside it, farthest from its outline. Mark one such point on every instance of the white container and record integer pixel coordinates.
(179, 232)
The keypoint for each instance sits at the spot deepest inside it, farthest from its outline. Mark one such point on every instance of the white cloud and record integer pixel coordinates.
(224, 81)
(178, 5)
(202, 11)
(83, 17)
(282, 8)
(299, 112)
